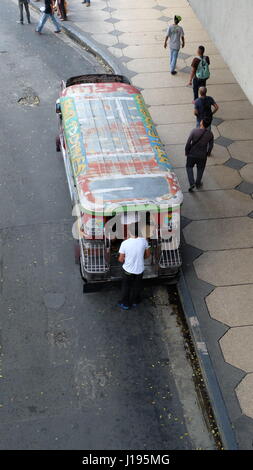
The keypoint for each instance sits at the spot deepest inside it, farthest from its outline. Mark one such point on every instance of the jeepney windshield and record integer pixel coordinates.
(113, 189)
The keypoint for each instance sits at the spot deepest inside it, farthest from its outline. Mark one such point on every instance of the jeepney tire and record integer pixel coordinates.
(77, 253)
(58, 144)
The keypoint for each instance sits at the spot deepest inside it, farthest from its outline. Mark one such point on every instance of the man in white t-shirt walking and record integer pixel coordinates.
(132, 253)
(175, 33)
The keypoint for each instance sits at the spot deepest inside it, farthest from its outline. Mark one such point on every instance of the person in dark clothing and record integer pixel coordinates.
(22, 4)
(198, 147)
(205, 106)
(62, 9)
(48, 13)
(199, 71)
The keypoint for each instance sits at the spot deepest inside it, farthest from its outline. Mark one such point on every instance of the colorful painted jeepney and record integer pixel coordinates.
(118, 172)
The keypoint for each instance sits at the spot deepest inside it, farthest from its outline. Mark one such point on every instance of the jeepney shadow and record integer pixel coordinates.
(147, 286)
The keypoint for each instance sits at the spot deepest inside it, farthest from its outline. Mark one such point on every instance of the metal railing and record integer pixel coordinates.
(170, 256)
(95, 258)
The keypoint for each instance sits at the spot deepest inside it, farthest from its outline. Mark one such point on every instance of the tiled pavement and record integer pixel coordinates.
(220, 231)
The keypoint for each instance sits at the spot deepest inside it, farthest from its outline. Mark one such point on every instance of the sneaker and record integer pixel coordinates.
(19, 22)
(58, 31)
(124, 307)
(191, 188)
(198, 186)
(174, 72)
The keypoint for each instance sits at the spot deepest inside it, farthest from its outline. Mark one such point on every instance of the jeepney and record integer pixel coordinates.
(118, 172)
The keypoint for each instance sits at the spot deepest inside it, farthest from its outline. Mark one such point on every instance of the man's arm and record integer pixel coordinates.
(193, 73)
(216, 107)
(196, 111)
(165, 41)
(147, 253)
(183, 42)
(121, 258)
(166, 38)
(188, 144)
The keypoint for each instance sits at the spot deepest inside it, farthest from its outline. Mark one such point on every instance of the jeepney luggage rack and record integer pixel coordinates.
(95, 257)
(170, 256)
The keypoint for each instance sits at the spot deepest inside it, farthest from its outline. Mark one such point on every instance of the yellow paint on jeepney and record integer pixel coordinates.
(154, 139)
(73, 136)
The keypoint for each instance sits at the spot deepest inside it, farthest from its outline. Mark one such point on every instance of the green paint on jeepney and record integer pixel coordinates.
(154, 139)
(131, 208)
(73, 136)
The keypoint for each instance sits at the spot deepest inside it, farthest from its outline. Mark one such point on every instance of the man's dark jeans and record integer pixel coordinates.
(201, 164)
(130, 288)
(196, 84)
(24, 3)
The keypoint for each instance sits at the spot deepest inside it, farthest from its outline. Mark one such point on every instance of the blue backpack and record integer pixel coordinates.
(202, 72)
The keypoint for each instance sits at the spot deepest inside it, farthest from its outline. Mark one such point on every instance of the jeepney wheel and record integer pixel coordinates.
(77, 253)
(58, 144)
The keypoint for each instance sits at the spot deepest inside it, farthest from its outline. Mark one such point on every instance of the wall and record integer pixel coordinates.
(230, 26)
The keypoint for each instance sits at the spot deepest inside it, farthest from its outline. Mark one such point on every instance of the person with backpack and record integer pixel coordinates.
(175, 33)
(205, 107)
(198, 147)
(200, 71)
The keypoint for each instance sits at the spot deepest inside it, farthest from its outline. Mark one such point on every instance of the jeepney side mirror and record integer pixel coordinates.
(58, 107)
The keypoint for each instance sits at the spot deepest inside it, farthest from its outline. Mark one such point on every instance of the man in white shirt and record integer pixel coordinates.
(174, 33)
(132, 253)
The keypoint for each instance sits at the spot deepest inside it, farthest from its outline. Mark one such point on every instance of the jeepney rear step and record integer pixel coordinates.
(95, 258)
(170, 255)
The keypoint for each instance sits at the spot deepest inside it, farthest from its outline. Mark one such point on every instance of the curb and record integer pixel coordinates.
(86, 41)
(210, 379)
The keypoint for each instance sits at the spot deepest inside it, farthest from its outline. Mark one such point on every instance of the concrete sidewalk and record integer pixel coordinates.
(218, 220)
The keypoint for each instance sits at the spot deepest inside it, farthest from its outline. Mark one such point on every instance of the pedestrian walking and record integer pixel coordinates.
(22, 4)
(87, 2)
(175, 34)
(200, 71)
(132, 253)
(62, 9)
(198, 147)
(204, 107)
(48, 13)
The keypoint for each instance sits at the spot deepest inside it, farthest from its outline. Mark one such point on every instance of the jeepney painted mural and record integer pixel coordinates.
(116, 154)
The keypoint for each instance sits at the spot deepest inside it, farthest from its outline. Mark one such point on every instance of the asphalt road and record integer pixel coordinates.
(76, 372)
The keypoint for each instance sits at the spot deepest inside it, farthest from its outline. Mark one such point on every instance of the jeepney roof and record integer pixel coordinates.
(116, 154)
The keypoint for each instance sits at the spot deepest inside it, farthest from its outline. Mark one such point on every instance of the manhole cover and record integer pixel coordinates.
(29, 98)
(58, 338)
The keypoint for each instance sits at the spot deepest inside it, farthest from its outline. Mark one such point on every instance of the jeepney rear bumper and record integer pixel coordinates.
(115, 274)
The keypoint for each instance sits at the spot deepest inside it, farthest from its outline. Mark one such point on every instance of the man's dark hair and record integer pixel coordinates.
(176, 20)
(133, 229)
(202, 49)
(206, 123)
